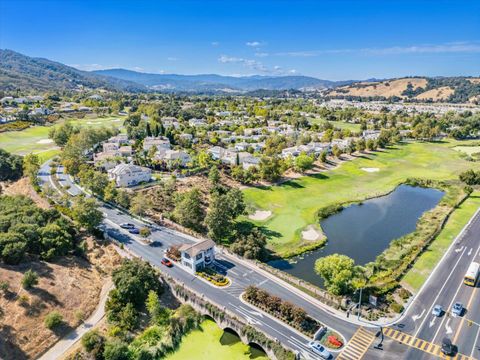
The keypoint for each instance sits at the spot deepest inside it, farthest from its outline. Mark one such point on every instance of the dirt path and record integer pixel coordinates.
(64, 344)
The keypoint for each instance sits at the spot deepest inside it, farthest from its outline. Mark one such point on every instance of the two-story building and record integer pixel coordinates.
(197, 256)
(126, 175)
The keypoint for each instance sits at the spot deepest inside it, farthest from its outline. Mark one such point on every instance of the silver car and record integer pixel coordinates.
(319, 349)
(437, 310)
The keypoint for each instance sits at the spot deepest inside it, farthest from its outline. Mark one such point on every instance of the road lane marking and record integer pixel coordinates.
(420, 344)
(447, 328)
(470, 251)
(431, 323)
(418, 316)
(358, 345)
(453, 300)
(469, 303)
(459, 249)
(475, 343)
(438, 295)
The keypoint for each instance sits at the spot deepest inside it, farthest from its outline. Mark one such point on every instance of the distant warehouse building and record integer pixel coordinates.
(126, 175)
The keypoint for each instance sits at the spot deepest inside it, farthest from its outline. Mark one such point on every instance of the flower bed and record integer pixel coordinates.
(292, 315)
(214, 277)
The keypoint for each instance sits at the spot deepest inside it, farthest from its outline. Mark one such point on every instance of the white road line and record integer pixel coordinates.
(262, 282)
(453, 299)
(475, 343)
(438, 295)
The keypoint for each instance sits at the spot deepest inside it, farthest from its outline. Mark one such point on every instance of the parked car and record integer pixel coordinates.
(134, 230)
(127, 226)
(437, 310)
(447, 346)
(320, 350)
(457, 309)
(166, 262)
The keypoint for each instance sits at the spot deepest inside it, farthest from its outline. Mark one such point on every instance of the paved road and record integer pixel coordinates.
(444, 287)
(242, 275)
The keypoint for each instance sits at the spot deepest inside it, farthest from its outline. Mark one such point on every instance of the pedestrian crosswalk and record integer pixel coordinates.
(420, 344)
(358, 345)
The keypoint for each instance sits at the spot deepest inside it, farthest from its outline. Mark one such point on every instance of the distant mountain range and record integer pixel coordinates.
(18, 71)
(21, 72)
(213, 82)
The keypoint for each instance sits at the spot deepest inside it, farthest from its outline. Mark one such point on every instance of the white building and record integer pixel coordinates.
(160, 142)
(197, 256)
(172, 156)
(126, 175)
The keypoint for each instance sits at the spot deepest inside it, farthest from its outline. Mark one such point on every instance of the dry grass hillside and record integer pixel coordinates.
(442, 93)
(386, 88)
(70, 286)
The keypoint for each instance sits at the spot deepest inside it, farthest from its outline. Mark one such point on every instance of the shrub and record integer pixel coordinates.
(329, 210)
(404, 293)
(116, 350)
(145, 232)
(93, 343)
(30, 278)
(396, 307)
(53, 320)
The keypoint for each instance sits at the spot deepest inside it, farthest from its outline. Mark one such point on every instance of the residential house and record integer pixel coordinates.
(197, 122)
(197, 256)
(126, 175)
(159, 142)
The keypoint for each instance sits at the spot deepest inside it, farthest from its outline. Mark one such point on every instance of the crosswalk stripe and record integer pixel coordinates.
(357, 346)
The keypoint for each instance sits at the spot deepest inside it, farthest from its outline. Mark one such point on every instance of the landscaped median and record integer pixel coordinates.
(293, 316)
(213, 277)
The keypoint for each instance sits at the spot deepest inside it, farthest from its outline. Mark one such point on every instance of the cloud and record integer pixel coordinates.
(215, 43)
(261, 54)
(254, 65)
(91, 67)
(253, 43)
(456, 47)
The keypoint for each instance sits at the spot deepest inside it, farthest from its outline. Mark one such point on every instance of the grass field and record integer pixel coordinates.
(469, 150)
(338, 124)
(35, 138)
(427, 261)
(204, 344)
(294, 204)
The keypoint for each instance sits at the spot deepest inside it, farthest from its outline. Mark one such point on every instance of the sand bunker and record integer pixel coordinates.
(260, 215)
(45, 141)
(311, 234)
(371, 169)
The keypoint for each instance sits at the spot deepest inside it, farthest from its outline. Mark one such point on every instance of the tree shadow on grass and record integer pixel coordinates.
(46, 296)
(245, 227)
(293, 184)
(9, 349)
(319, 176)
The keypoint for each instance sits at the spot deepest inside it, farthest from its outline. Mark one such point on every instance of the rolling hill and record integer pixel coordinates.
(213, 82)
(435, 89)
(21, 72)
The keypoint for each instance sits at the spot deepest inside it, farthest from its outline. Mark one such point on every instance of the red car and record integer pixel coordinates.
(166, 262)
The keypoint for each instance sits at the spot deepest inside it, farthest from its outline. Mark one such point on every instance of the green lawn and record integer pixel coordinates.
(35, 138)
(204, 344)
(469, 150)
(427, 261)
(338, 124)
(294, 204)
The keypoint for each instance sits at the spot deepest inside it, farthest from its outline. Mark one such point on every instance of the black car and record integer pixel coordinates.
(447, 347)
(127, 226)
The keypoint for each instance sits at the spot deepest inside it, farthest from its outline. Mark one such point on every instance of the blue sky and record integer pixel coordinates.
(326, 39)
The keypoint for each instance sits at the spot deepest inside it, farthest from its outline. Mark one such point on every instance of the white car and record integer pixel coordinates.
(319, 349)
(437, 310)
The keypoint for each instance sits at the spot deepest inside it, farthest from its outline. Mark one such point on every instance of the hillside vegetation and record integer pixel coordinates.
(451, 89)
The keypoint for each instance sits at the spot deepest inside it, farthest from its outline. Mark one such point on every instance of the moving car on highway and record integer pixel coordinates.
(437, 310)
(127, 226)
(472, 274)
(457, 309)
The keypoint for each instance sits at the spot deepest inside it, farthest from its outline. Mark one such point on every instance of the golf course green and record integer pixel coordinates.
(294, 204)
(35, 138)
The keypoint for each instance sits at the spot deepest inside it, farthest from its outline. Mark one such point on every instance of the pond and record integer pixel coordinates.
(210, 342)
(363, 231)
